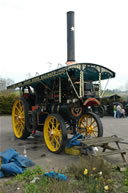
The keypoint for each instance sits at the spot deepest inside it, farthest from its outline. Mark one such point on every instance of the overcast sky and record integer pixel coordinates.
(33, 35)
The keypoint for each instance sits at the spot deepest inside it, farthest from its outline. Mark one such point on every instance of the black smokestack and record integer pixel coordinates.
(70, 38)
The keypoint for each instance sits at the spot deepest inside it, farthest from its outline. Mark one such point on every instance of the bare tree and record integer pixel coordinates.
(28, 76)
(4, 83)
(9, 82)
(59, 65)
(49, 65)
(37, 74)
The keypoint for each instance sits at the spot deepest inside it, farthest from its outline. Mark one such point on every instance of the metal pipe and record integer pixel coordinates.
(72, 85)
(70, 38)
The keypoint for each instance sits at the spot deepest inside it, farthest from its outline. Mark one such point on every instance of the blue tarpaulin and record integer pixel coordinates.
(55, 175)
(74, 142)
(13, 163)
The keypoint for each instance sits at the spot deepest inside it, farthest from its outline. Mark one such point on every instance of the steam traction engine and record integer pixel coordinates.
(57, 102)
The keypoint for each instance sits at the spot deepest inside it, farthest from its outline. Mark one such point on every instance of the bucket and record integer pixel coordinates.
(72, 151)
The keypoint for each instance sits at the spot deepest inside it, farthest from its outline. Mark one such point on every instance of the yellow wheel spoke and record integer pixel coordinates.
(53, 133)
(22, 122)
(21, 128)
(57, 130)
(94, 134)
(57, 142)
(95, 131)
(58, 124)
(92, 122)
(83, 124)
(87, 119)
(22, 113)
(15, 115)
(18, 118)
(18, 109)
(95, 126)
(17, 124)
(53, 126)
(54, 141)
(87, 125)
(20, 105)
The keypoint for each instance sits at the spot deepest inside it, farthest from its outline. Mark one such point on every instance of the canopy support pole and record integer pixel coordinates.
(59, 90)
(105, 88)
(100, 84)
(72, 85)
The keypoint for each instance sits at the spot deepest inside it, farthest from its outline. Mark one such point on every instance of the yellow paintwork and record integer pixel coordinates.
(18, 118)
(52, 133)
(72, 151)
(88, 126)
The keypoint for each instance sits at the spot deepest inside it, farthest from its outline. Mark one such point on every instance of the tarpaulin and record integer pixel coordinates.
(74, 142)
(13, 163)
(8, 155)
(55, 175)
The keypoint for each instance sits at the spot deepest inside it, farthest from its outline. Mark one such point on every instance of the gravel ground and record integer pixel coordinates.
(37, 151)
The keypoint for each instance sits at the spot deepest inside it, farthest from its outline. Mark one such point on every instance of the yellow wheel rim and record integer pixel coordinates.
(88, 126)
(52, 133)
(18, 118)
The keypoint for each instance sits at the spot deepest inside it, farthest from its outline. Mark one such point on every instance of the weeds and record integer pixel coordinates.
(125, 180)
(90, 176)
(94, 174)
(90, 163)
(29, 174)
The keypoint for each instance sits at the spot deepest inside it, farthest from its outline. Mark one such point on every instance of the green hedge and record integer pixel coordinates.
(6, 103)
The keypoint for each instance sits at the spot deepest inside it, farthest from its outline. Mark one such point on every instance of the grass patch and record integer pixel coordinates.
(92, 175)
(29, 174)
(90, 163)
(125, 181)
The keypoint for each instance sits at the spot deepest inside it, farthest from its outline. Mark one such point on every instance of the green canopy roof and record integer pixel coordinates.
(91, 73)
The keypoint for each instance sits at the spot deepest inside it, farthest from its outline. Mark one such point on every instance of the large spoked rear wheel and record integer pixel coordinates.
(20, 118)
(90, 125)
(55, 133)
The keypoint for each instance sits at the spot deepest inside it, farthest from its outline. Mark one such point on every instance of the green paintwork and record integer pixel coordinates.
(91, 73)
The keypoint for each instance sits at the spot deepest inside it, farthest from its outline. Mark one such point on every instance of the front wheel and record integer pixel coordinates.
(89, 125)
(20, 118)
(55, 133)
